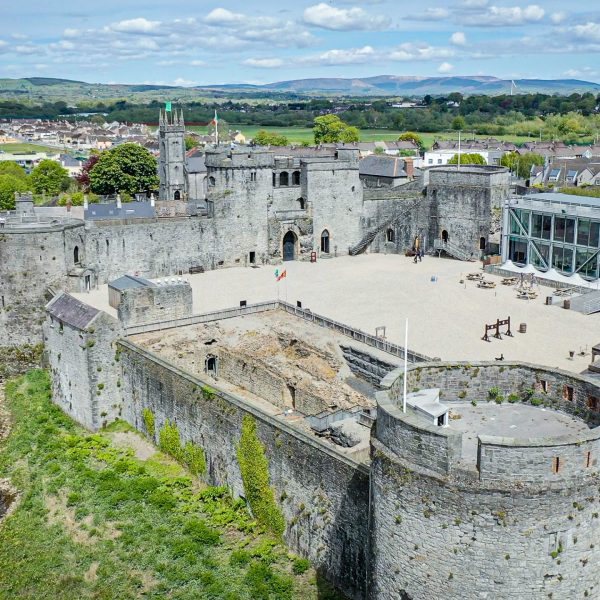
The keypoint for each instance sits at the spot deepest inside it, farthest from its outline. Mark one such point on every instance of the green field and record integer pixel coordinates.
(106, 516)
(297, 135)
(12, 148)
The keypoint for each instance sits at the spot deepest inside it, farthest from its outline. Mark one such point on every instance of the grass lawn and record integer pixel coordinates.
(11, 148)
(106, 516)
(297, 135)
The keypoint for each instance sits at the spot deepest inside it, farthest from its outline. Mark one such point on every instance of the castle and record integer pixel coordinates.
(386, 501)
(260, 208)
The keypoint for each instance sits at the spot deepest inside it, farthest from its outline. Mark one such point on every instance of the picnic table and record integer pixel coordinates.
(526, 294)
(509, 280)
(486, 284)
(564, 291)
(474, 276)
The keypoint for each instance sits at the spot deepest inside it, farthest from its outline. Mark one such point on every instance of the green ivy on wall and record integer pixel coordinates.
(254, 468)
(190, 455)
(149, 421)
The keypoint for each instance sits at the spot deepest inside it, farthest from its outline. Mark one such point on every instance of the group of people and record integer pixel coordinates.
(419, 254)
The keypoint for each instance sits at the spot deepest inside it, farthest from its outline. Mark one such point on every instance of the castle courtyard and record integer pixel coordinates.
(446, 318)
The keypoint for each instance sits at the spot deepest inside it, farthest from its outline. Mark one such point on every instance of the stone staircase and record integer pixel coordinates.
(368, 238)
(586, 303)
(452, 250)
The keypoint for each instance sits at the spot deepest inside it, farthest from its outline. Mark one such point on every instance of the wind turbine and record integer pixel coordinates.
(513, 87)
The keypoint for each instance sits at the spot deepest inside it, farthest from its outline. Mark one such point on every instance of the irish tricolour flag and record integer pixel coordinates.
(279, 275)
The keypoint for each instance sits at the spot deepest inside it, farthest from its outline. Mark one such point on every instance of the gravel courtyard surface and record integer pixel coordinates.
(446, 318)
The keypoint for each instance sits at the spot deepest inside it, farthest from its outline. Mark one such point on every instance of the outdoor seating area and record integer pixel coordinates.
(486, 284)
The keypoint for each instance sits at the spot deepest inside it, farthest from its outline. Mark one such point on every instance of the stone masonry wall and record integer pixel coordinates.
(162, 302)
(515, 527)
(322, 493)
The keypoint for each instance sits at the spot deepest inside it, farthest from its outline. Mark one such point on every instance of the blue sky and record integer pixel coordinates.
(188, 42)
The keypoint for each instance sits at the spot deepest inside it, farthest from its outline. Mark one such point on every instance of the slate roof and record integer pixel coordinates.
(196, 164)
(128, 210)
(69, 310)
(127, 282)
(382, 166)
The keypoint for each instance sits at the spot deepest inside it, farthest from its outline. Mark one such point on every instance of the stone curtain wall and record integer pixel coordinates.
(465, 382)
(322, 494)
(517, 528)
(435, 538)
(31, 260)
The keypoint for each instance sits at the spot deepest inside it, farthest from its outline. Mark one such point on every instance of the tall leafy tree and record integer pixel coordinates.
(49, 178)
(521, 163)
(8, 167)
(268, 138)
(411, 136)
(468, 159)
(128, 168)
(84, 177)
(331, 129)
(9, 184)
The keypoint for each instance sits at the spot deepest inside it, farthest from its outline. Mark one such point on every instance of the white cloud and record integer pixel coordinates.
(445, 67)
(474, 3)
(184, 82)
(222, 16)
(431, 14)
(139, 25)
(410, 51)
(264, 63)
(347, 56)
(344, 19)
(458, 38)
(558, 17)
(505, 16)
(583, 72)
(198, 63)
(588, 32)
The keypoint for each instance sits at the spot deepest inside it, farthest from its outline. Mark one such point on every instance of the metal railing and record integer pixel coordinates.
(308, 315)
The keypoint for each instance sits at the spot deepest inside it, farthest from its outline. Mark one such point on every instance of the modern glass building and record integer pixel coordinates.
(553, 230)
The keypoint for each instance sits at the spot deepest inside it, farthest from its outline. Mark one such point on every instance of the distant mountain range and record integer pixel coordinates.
(42, 88)
(390, 85)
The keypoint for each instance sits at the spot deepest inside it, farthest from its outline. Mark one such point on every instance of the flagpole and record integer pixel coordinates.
(405, 364)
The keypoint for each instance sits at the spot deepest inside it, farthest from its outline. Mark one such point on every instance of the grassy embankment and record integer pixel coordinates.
(106, 516)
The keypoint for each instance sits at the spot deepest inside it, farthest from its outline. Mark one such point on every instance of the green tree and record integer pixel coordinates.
(468, 159)
(411, 136)
(330, 129)
(49, 178)
(9, 184)
(128, 168)
(268, 138)
(8, 167)
(190, 142)
(521, 164)
(458, 123)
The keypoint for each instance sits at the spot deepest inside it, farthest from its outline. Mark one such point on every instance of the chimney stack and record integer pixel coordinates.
(409, 167)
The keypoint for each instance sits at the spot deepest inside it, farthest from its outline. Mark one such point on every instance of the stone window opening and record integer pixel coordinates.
(76, 255)
(296, 178)
(482, 243)
(568, 393)
(544, 386)
(556, 464)
(211, 181)
(274, 180)
(177, 195)
(593, 403)
(252, 257)
(292, 391)
(389, 235)
(284, 179)
(445, 236)
(325, 241)
(211, 365)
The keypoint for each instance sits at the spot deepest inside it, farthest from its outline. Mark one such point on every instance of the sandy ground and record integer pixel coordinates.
(446, 318)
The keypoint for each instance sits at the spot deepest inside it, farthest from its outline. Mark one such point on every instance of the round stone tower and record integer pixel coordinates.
(503, 502)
